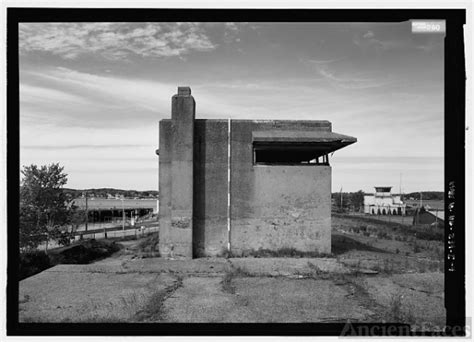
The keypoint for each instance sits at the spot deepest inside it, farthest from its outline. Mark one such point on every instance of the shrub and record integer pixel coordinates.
(150, 244)
(32, 263)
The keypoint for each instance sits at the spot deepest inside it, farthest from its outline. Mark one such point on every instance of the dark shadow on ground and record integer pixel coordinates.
(82, 252)
(341, 244)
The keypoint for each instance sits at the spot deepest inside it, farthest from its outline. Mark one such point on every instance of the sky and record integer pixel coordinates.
(92, 94)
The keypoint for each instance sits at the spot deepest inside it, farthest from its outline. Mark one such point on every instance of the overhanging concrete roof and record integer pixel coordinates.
(320, 140)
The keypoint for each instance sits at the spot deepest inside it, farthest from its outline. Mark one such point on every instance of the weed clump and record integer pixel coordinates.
(416, 247)
(397, 312)
(149, 247)
(281, 253)
(229, 276)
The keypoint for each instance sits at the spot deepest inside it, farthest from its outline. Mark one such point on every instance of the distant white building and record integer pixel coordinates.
(383, 202)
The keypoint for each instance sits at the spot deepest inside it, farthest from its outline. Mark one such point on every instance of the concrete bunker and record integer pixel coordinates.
(241, 185)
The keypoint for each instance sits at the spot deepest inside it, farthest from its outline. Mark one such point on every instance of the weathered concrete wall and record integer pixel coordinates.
(291, 208)
(176, 239)
(165, 186)
(278, 206)
(210, 188)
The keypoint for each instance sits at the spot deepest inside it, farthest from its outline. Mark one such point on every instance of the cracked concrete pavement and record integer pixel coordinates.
(121, 288)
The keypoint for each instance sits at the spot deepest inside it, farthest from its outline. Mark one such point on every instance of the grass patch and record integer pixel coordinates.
(154, 309)
(317, 273)
(149, 246)
(420, 232)
(278, 253)
(416, 247)
(398, 312)
(150, 243)
(387, 267)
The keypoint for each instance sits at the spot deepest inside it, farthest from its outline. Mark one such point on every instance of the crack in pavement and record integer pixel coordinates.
(154, 310)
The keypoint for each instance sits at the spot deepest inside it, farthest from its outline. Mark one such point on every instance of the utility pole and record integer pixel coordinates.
(421, 200)
(123, 217)
(87, 211)
(105, 229)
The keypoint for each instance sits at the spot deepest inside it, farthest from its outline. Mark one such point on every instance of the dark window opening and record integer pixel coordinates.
(289, 155)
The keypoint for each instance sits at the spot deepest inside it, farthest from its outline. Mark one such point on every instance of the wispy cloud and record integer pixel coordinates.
(369, 41)
(70, 98)
(113, 41)
(349, 81)
(332, 71)
(326, 61)
(84, 146)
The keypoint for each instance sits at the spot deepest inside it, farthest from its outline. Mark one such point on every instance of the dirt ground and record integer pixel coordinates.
(369, 278)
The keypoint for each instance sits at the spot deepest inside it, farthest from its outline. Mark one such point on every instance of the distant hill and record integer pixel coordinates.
(111, 193)
(427, 195)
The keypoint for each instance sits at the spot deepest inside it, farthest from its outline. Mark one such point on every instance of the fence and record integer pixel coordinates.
(115, 232)
(108, 233)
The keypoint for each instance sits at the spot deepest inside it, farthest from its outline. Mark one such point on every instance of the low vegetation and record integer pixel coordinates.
(390, 230)
(398, 311)
(33, 262)
(149, 246)
(82, 252)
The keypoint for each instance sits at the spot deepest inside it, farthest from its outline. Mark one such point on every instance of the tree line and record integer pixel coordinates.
(348, 200)
(111, 192)
(427, 195)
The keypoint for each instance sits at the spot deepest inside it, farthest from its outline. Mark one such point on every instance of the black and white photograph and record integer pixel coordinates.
(234, 172)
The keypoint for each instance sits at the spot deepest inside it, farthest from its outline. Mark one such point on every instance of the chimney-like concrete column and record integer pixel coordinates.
(183, 109)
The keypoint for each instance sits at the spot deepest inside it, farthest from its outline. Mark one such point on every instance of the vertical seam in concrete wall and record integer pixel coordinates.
(228, 184)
